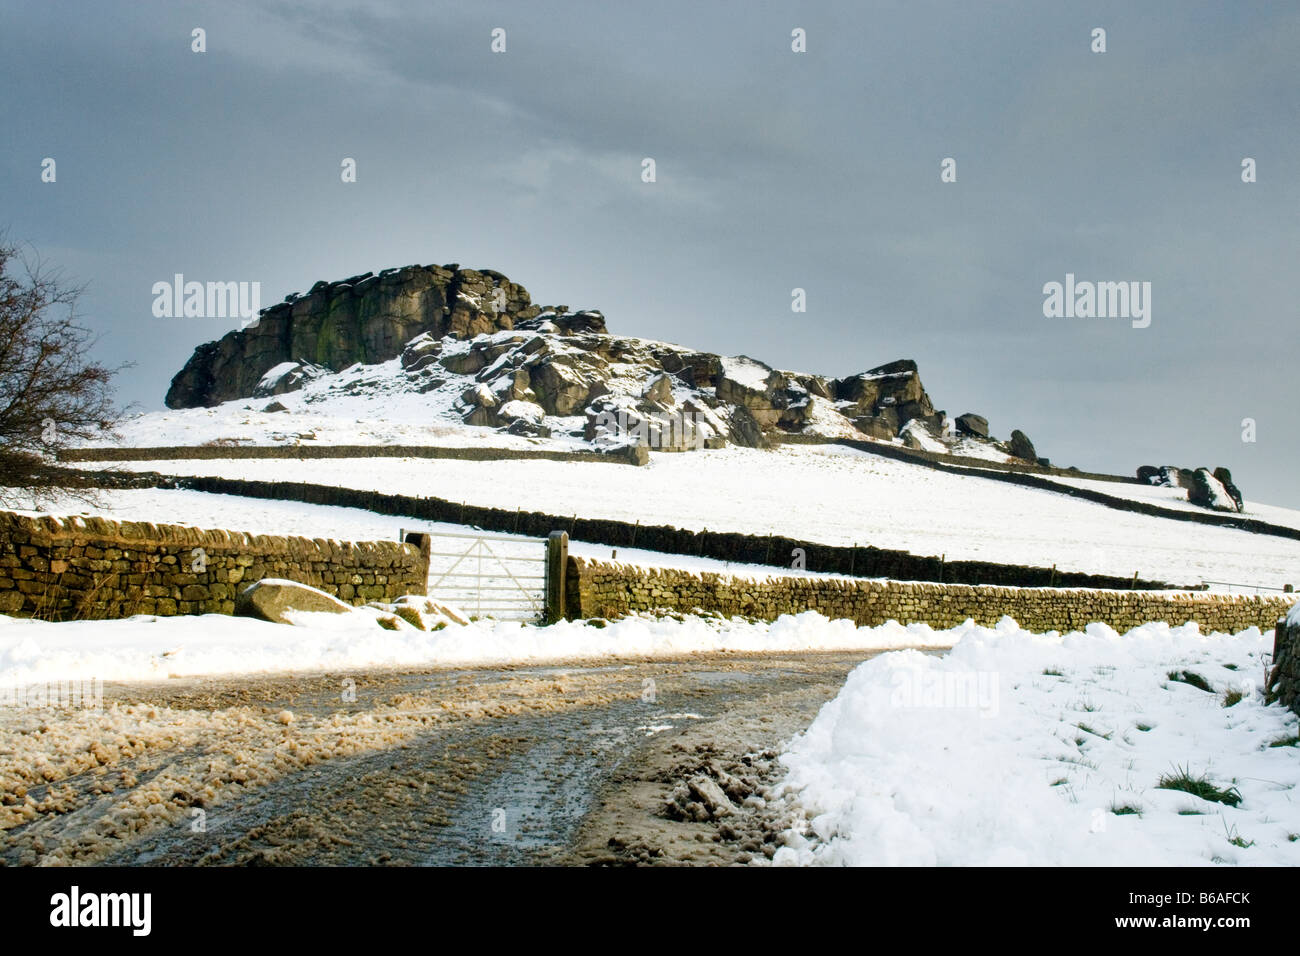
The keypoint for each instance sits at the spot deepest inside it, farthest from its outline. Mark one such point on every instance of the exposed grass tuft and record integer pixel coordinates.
(1182, 779)
(410, 615)
(1235, 838)
(1191, 677)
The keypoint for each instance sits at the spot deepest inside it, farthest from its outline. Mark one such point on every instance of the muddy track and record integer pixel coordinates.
(651, 761)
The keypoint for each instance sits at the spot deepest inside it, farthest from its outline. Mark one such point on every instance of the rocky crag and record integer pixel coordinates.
(473, 339)
(367, 318)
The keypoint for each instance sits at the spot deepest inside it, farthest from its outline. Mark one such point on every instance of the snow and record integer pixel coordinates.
(361, 405)
(1219, 497)
(152, 648)
(923, 437)
(529, 411)
(743, 370)
(986, 757)
(824, 419)
(273, 376)
(967, 447)
(829, 494)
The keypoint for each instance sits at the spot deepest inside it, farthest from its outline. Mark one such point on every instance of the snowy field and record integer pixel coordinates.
(828, 494)
(1176, 499)
(1025, 749)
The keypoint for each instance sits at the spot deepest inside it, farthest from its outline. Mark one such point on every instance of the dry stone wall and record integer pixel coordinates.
(1284, 681)
(609, 590)
(627, 455)
(96, 568)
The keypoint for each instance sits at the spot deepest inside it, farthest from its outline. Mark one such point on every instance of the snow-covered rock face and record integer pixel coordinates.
(478, 353)
(365, 318)
(564, 375)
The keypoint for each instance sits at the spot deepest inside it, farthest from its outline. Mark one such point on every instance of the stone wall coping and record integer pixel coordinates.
(48, 529)
(615, 568)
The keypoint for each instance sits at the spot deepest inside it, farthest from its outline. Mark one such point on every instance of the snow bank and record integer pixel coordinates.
(149, 648)
(1017, 748)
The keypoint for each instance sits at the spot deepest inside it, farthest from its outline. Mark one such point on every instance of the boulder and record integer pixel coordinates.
(1208, 492)
(1169, 476)
(659, 391)
(772, 399)
(573, 324)
(523, 418)
(561, 387)
(743, 429)
(1225, 478)
(467, 362)
(286, 377)
(270, 598)
(1149, 475)
(894, 385)
(421, 352)
(1021, 447)
(972, 424)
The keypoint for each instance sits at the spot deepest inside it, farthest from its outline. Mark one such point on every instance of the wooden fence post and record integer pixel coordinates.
(557, 560)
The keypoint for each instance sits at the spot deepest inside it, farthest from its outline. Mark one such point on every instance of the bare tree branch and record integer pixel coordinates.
(52, 393)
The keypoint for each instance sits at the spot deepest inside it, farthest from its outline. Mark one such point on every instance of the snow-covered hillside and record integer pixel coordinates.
(828, 494)
(1176, 498)
(561, 381)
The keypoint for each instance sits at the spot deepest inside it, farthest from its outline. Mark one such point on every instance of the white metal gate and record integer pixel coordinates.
(489, 575)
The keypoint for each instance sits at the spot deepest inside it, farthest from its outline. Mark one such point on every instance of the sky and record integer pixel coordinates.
(775, 170)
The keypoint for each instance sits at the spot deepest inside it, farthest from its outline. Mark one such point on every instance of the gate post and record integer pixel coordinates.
(557, 559)
(425, 543)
